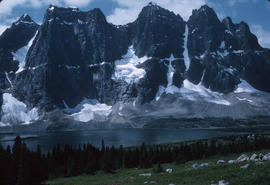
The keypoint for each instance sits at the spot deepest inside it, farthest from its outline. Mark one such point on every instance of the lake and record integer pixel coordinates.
(116, 137)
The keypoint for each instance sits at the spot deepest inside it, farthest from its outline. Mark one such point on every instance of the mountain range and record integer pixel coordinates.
(76, 70)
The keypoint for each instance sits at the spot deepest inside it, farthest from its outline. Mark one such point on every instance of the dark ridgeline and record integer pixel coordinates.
(15, 37)
(20, 166)
(73, 55)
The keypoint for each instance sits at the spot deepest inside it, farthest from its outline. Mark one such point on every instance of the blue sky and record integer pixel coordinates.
(255, 12)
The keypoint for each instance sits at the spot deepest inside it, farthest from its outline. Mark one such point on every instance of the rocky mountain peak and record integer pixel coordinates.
(18, 34)
(25, 19)
(61, 14)
(205, 15)
(96, 15)
(227, 21)
(154, 11)
(157, 32)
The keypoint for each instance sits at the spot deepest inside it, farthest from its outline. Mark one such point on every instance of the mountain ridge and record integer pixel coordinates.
(75, 56)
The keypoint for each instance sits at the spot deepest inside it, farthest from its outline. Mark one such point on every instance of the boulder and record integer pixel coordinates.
(266, 157)
(220, 161)
(242, 158)
(244, 166)
(253, 157)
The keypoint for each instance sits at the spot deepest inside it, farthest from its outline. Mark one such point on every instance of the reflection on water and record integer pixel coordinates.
(117, 137)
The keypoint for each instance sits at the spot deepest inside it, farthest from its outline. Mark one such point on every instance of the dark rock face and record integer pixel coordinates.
(67, 47)
(156, 75)
(222, 53)
(158, 33)
(179, 73)
(203, 28)
(19, 34)
(14, 38)
(74, 52)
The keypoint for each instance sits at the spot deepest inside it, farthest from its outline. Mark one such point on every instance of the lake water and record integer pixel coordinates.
(116, 137)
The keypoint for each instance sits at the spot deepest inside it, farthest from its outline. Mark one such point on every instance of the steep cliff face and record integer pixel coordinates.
(74, 53)
(61, 65)
(12, 40)
(222, 53)
(158, 33)
(13, 48)
(81, 65)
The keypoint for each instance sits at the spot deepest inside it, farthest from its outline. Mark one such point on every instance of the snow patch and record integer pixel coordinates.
(222, 45)
(244, 86)
(126, 70)
(88, 109)
(223, 54)
(20, 54)
(9, 81)
(192, 91)
(238, 51)
(186, 56)
(230, 70)
(69, 67)
(15, 111)
(99, 64)
(51, 8)
(81, 22)
(244, 99)
(161, 90)
(72, 67)
(67, 23)
(170, 71)
(194, 30)
(228, 32)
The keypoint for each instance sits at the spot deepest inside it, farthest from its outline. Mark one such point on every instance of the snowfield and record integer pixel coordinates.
(88, 109)
(126, 70)
(20, 55)
(16, 112)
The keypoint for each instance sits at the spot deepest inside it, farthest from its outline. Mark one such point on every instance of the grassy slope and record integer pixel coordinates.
(182, 174)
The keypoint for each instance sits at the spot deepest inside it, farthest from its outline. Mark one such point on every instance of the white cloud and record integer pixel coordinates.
(263, 35)
(129, 10)
(78, 3)
(234, 2)
(7, 6)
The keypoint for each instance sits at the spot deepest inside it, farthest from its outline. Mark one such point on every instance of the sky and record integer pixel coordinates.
(255, 12)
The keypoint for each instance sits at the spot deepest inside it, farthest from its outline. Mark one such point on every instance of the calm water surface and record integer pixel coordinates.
(117, 137)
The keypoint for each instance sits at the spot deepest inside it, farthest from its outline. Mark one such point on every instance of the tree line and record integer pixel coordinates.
(20, 166)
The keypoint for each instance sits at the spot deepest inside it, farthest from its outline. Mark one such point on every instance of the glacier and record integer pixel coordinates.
(126, 70)
(88, 109)
(16, 112)
(21, 53)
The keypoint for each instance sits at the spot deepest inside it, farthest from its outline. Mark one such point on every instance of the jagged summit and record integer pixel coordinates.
(205, 15)
(71, 15)
(97, 15)
(153, 10)
(25, 19)
(18, 34)
(227, 21)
